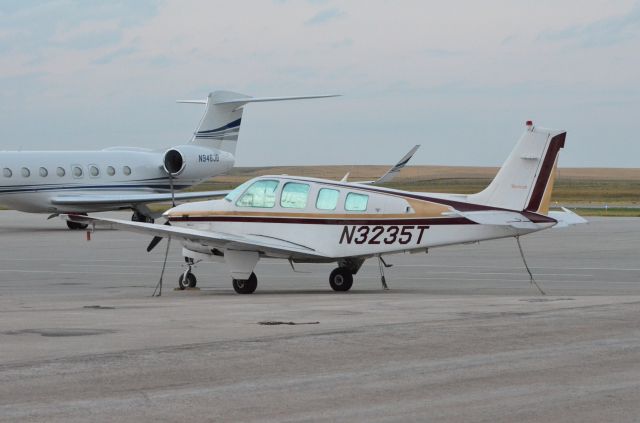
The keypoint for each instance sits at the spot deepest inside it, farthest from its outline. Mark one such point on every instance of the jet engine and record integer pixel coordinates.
(194, 162)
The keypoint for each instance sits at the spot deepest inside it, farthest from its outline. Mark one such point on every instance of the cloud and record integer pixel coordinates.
(324, 16)
(601, 33)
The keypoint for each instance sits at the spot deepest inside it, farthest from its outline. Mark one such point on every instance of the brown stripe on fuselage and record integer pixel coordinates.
(324, 221)
(555, 145)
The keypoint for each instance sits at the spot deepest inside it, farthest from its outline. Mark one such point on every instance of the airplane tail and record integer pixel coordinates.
(525, 181)
(220, 126)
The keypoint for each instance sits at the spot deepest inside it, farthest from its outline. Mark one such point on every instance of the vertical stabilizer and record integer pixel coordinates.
(525, 181)
(220, 126)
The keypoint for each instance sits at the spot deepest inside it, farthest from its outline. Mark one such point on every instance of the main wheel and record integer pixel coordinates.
(76, 226)
(246, 286)
(137, 217)
(189, 283)
(341, 279)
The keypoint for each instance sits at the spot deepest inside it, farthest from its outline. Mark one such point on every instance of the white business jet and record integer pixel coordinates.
(115, 178)
(307, 220)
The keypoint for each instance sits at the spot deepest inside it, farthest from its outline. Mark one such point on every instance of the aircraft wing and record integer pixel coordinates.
(220, 240)
(123, 199)
(393, 171)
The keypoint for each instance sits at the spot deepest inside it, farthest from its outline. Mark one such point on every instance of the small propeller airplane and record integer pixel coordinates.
(309, 220)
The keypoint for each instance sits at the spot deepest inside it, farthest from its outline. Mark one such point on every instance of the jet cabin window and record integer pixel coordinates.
(94, 171)
(25, 172)
(294, 195)
(44, 172)
(6, 172)
(126, 170)
(77, 171)
(60, 172)
(259, 194)
(327, 199)
(356, 202)
(111, 171)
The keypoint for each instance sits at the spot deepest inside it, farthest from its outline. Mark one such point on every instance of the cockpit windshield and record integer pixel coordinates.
(231, 197)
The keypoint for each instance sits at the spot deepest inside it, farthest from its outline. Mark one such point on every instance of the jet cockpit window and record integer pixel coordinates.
(261, 193)
(25, 172)
(294, 195)
(327, 199)
(60, 172)
(44, 172)
(356, 202)
(6, 172)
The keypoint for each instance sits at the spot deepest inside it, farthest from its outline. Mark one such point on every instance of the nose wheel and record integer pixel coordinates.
(341, 279)
(247, 286)
(187, 280)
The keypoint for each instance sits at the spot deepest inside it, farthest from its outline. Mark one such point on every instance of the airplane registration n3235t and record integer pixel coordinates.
(115, 178)
(308, 220)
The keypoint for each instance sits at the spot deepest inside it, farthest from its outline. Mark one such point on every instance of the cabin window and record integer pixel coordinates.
(327, 199)
(94, 171)
(44, 172)
(60, 172)
(111, 171)
(77, 171)
(25, 172)
(126, 170)
(356, 202)
(294, 195)
(260, 194)
(7, 173)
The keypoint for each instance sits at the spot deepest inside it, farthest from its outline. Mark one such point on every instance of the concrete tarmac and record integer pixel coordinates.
(461, 336)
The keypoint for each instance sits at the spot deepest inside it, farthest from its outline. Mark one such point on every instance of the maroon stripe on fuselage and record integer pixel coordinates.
(322, 221)
(555, 145)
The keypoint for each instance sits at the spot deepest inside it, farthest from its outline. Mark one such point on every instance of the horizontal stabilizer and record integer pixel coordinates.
(566, 218)
(499, 218)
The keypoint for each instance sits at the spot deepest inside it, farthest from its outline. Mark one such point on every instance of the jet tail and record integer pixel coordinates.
(220, 126)
(525, 181)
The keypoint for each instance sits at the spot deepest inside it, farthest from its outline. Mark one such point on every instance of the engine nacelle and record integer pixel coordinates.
(193, 162)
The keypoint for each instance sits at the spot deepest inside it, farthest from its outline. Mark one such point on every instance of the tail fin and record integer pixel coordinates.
(220, 125)
(525, 180)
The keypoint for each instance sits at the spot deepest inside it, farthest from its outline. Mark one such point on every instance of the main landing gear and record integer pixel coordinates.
(139, 217)
(75, 226)
(246, 286)
(341, 279)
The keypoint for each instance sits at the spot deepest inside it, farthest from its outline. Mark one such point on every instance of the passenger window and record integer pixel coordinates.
(60, 172)
(126, 170)
(25, 172)
(259, 194)
(356, 202)
(111, 171)
(93, 171)
(44, 172)
(77, 171)
(294, 195)
(7, 173)
(327, 199)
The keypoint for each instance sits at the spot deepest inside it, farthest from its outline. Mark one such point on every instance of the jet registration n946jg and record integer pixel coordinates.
(308, 220)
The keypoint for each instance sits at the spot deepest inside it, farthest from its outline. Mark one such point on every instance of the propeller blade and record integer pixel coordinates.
(156, 240)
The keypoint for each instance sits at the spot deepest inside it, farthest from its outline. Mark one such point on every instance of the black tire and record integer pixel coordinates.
(136, 217)
(74, 226)
(246, 286)
(341, 279)
(191, 281)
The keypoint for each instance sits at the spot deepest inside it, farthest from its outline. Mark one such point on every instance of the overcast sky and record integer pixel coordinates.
(458, 77)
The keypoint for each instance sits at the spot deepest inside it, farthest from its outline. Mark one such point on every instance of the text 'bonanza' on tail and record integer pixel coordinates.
(525, 180)
(220, 125)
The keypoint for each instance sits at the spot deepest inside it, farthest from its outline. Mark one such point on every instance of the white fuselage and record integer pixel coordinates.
(29, 180)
